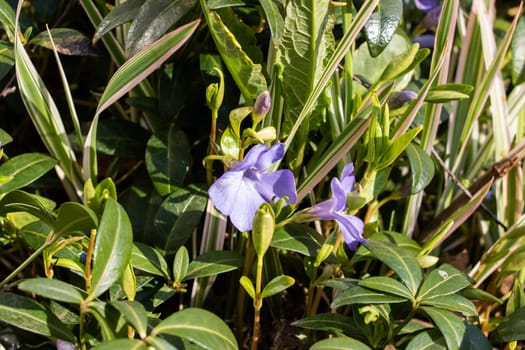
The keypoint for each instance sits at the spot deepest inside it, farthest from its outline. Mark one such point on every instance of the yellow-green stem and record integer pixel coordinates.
(239, 320)
(257, 304)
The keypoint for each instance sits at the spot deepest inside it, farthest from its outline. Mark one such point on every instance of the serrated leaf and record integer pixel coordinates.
(277, 285)
(176, 218)
(135, 313)
(443, 280)
(213, 263)
(388, 285)
(339, 343)
(402, 261)
(148, 259)
(360, 295)
(421, 166)
(31, 316)
(168, 159)
(120, 14)
(53, 289)
(113, 245)
(451, 327)
(247, 284)
(131, 73)
(155, 18)
(452, 302)
(24, 169)
(199, 326)
(382, 24)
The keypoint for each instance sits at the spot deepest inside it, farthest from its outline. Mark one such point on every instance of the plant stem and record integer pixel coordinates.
(248, 258)
(257, 304)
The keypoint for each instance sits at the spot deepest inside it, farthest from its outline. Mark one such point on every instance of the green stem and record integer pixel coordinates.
(239, 320)
(257, 304)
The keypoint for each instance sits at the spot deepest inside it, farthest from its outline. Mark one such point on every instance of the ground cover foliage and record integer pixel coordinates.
(272, 174)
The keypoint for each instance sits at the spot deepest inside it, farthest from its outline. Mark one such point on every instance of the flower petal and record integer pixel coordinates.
(348, 178)
(246, 206)
(276, 185)
(224, 192)
(250, 159)
(352, 229)
(338, 195)
(270, 156)
(426, 5)
(324, 210)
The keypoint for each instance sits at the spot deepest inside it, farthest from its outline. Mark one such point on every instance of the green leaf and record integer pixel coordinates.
(31, 316)
(339, 343)
(327, 322)
(130, 142)
(176, 219)
(388, 285)
(5, 138)
(474, 339)
(382, 24)
(148, 259)
(518, 54)
(7, 18)
(401, 260)
(131, 73)
(120, 14)
(213, 263)
(135, 313)
(395, 148)
(53, 289)
(452, 302)
(448, 92)
(199, 326)
(180, 264)
(274, 18)
(128, 344)
(168, 159)
(112, 250)
(360, 295)
(153, 19)
(277, 285)
(427, 340)
(20, 201)
(421, 166)
(247, 284)
(245, 72)
(67, 41)
(74, 217)
(443, 280)
(23, 170)
(512, 328)
(217, 4)
(403, 63)
(452, 327)
(297, 238)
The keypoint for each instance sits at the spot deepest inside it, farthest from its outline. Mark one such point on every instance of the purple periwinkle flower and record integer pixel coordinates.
(240, 191)
(426, 5)
(334, 208)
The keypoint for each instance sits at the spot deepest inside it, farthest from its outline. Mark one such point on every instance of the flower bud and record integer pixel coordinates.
(212, 96)
(263, 229)
(262, 104)
(401, 98)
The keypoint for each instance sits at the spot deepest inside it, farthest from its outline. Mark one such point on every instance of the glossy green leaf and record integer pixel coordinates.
(421, 167)
(180, 264)
(120, 14)
(404, 63)
(135, 313)
(327, 322)
(451, 326)
(74, 217)
(128, 344)
(113, 247)
(518, 54)
(360, 295)
(154, 19)
(247, 74)
(199, 326)
(297, 238)
(443, 280)
(53, 289)
(382, 24)
(27, 314)
(474, 339)
(5, 138)
(130, 142)
(480, 294)
(395, 148)
(176, 219)
(20, 201)
(24, 169)
(277, 285)
(427, 340)
(144, 63)
(452, 302)
(339, 343)
(128, 282)
(148, 259)
(401, 260)
(448, 92)
(387, 285)
(510, 329)
(213, 263)
(67, 41)
(247, 284)
(168, 159)
(7, 18)
(274, 18)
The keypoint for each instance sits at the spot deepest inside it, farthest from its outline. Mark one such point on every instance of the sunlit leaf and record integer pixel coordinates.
(213, 263)
(53, 289)
(382, 24)
(24, 169)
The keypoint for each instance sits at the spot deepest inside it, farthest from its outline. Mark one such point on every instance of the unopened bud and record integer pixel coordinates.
(263, 229)
(262, 104)
(401, 98)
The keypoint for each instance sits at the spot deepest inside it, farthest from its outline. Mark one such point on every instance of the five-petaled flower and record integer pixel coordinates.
(335, 208)
(240, 191)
